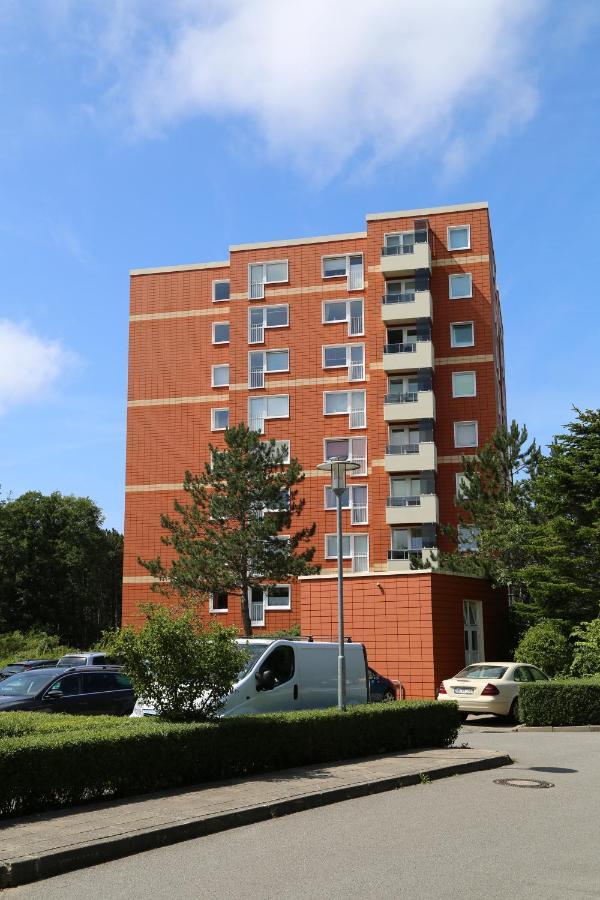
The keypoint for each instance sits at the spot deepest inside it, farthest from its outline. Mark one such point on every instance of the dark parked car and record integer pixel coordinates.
(22, 664)
(80, 691)
(384, 689)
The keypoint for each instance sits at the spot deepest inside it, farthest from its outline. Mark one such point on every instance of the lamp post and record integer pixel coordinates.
(338, 466)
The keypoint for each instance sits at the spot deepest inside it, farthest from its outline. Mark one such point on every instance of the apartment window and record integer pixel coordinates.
(464, 384)
(461, 286)
(271, 407)
(278, 596)
(283, 445)
(220, 376)
(354, 498)
(221, 333)
(465, 434)
(263, 361)
(219, 602)
(461, 483)
(352, 403)
(468, 538)
(346, 356)
(261, 317)
(220, 419)
(350, 311)
(353, 449)
(459, 237)
(259, 274)
(400, 243)
(349, 265)
(354, 547)
(462, 334)
(220, 291)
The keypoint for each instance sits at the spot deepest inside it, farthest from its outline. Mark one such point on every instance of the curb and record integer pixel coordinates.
(34, 868)
(558, 728)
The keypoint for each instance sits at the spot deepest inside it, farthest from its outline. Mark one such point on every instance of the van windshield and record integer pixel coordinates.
(254, 652)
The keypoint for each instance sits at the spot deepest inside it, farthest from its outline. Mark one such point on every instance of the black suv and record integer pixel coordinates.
(22, 664)
(79, 691)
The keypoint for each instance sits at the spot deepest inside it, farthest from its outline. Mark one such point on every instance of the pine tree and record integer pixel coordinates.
(226, 538)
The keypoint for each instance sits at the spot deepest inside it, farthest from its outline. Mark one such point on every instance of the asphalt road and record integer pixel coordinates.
(462, 837)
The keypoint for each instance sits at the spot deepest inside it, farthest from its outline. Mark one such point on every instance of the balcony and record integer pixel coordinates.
(412, 510)
(421, 457)
(409, 356)
(409, 407)
(397, 261)
(406, 307)
(399, 560)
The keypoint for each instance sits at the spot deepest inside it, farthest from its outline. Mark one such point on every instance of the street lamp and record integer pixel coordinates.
(338, 466)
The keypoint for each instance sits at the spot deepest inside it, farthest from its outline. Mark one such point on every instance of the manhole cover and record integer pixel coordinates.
(524, 782)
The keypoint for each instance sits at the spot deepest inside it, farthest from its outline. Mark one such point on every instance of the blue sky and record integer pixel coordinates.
(139, 134)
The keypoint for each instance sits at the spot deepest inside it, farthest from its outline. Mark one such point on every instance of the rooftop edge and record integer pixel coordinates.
(429, 210)
(189, 267)
(294, 242)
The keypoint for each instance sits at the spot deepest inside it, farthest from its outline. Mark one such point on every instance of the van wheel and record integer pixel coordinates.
(388, 697)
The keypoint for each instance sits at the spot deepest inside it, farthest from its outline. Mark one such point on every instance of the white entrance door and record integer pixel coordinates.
(473, 627)
(257, 606)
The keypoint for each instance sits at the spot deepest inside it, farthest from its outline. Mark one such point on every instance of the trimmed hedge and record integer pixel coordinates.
(51, 768)
(564, 702)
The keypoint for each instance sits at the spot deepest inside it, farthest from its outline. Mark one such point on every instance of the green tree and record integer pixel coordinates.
(184, 668)
(545, 645)
(563, 572)
(60, 571)
(586, 658)
(226, 537)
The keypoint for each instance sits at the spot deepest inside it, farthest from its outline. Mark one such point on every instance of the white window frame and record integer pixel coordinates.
(358, 473)
(467, 446)
(453, 343)
(278, 442)
(214, 340)
(348, 411)
(465, 396)
(264, 263)
(388, 234)
(352, 536)
(351, 503)
(346, 274)
(217, 612)
(268, 607)
(221, 281)
(212, 375)
(265, 326)
(457, 228)
(265, 370)
(267, 397)
(348, 364)
(348, 319)
(217, 409)
(460, 275)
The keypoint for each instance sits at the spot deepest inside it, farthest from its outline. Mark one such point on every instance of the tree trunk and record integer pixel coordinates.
(246, 612)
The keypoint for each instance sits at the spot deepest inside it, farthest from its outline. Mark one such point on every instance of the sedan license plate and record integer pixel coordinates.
(461, 690)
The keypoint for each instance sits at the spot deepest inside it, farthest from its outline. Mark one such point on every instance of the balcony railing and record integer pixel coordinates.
(257, 290)
(257, 424)
(403, 297)
(356, 325)
(257, 334)
(410, 397)
(357, 418)
(398, 249)
(360, 563)
(403, 448)
(404, 554)
(404, 501)
(356, 372)
(410, 347)
(257, 378)
(359, 515)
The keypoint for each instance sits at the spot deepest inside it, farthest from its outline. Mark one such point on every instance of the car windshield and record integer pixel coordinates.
(26, 684)
(482, 672)
(254, 652)
(72, 661)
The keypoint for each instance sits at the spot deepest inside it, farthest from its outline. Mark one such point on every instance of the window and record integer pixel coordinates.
(461, 483)
(342, 356)
(350, 265)
(97, 682)
(353, 449)
(346, 402)
(465, 434)
(220, 291)
(219, 602)
(350, 311)
(281, 664)
(278, 596)
(261, 361)
(220, 376)
(220, 419)
(354, 547)
(467, 538)
(69, 685)
(462, 334)
(464, 384)
(221, 333)
(473, 633)
(459, 237)
(272, 407)
(259, 274)
(261, 317)
(355, 498)
(461, 286)
(335, 266)
(403, 242)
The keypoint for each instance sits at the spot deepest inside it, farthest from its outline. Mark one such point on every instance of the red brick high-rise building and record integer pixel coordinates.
(384, 345)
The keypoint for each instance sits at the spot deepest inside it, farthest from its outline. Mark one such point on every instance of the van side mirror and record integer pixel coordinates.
(53, 695)
(265, 681)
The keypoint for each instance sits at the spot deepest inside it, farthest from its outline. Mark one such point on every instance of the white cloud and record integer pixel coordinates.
(29, 365)
(323, 82)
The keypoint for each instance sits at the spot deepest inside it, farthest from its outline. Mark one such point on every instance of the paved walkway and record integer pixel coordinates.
(46, 844)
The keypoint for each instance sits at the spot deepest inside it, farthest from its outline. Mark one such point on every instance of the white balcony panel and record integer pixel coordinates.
(408, 310)
(403, 565)
(421, 358)
(425, 511)
(423, 407)
(421, 459)
(394, 265)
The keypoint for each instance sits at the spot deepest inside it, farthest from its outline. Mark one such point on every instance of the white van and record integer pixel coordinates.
(283, 675)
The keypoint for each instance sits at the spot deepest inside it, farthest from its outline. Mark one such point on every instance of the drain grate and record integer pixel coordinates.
(523, 782)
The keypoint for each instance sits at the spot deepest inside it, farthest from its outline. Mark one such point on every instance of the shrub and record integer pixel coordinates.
(48, 768)
(32, 644)
(565, 702)
(544, 645)
(182, 666)
(586, 658)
